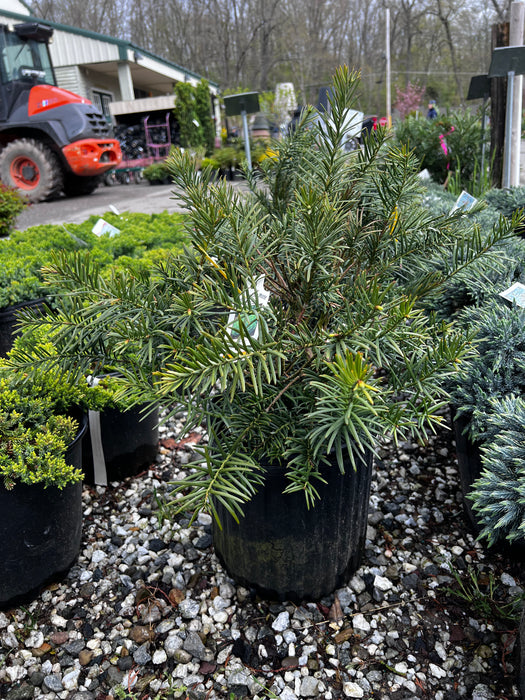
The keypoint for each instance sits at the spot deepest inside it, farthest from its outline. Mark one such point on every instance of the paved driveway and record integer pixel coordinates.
(146, 198)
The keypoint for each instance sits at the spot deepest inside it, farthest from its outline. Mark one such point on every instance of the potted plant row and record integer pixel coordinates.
(491, 381)
(121, 439)
(295, 327)
(140, 240)
(40, 486)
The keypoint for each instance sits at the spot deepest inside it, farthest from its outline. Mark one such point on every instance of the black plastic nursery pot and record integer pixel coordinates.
(468, 454)
(289, 552)
(40, 531)
(8, 320)
(128, 440)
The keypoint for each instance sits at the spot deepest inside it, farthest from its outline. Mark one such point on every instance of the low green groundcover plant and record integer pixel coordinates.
(36, 423)
(34, 435)
(12, 203)
(143, 239)
(157, 172)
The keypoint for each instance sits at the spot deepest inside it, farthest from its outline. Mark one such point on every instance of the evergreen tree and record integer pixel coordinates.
(204, 115)
(190, 131)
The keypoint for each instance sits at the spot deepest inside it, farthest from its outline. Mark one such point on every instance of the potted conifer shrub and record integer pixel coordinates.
(498, 495)
(40, 486)
(294, 327)
(483, 391)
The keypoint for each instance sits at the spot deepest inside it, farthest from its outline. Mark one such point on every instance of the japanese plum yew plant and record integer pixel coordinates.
(294, 323)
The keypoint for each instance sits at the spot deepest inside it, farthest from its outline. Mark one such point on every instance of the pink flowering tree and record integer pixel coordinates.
(409, 99)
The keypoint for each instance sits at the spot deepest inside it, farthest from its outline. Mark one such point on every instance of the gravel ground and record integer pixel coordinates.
(148, 612)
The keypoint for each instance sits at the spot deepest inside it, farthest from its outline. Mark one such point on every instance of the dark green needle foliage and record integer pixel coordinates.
(344, 351)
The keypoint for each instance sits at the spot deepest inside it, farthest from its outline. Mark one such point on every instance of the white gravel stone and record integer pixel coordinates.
(507, 579)
(281, 622)
(382, 583)
(357, 584)
(352, 690)
(35, 639)
(309, 687)
(15, 673)
(159, 657)
(70, 680)
(437, 671)
(58, 621)
(172, 643)
(360, 623)
(98, 556)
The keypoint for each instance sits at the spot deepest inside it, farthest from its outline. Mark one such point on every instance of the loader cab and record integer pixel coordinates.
(24, 61)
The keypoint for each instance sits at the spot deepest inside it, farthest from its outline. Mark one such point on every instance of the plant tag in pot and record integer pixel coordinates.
(465, 202)
(103, 227)
(99, 461)
(255, 298)
(515, 294)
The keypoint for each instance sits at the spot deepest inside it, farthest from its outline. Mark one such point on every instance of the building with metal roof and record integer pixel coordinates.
(118, 76)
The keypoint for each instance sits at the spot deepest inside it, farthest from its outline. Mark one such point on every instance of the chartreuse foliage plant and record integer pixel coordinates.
(143, 240)
(34, 435)
(12, 203)
(68, 391)
(294, 323)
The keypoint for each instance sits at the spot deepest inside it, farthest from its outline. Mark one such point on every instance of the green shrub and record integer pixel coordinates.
(462, 133)
(227, 157)
(34, 435)
(344, 352)
(507, 201)
(498, 496)
(157, 172)
(11, 204)
(212, 163)
(143, 239)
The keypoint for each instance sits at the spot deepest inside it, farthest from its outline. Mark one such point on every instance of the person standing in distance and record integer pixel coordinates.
(432, 112)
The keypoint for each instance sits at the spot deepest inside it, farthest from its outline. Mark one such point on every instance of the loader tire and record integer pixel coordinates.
(77, 185)
(32, 168)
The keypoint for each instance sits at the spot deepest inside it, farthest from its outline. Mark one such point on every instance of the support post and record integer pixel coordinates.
(387, 53)
(498, 92)
(517, 17)
(246, 139)
(508, 131)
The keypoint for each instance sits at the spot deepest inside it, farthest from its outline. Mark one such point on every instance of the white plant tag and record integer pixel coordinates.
(103, 227)
(515, 294)
(465, 202)
(255, 298)
(100, 473)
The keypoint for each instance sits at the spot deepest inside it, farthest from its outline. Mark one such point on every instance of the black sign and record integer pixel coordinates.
(244, 102)
(506, 59)
(479, 87)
